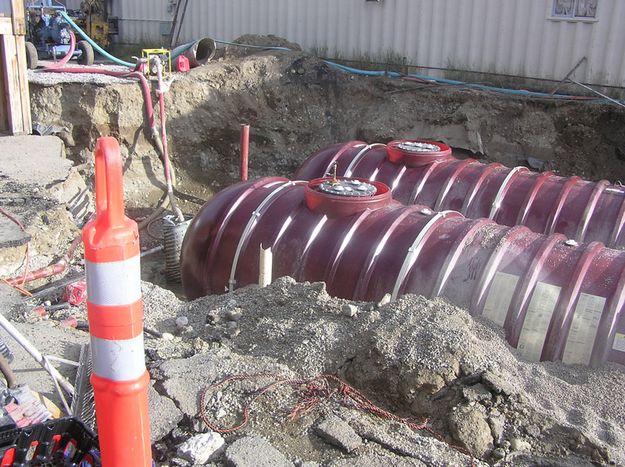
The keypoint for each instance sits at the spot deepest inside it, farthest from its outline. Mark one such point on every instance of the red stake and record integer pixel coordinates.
(245, 150)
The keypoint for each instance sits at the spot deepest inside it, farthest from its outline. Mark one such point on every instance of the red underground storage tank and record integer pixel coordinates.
(557, 300)
(426, 173)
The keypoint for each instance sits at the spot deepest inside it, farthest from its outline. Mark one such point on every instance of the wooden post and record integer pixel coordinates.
(15, 103)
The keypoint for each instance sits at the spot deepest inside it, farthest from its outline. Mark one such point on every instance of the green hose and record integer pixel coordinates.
(96, 47)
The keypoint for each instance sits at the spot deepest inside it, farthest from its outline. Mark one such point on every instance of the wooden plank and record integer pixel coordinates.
(6, 26)
(24, 95)
(4, 116)
(19, 20)
(15, 84)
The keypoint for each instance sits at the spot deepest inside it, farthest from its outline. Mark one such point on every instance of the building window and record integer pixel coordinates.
(575, 9)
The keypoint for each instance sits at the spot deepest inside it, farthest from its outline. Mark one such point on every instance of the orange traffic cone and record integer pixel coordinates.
(115, 310)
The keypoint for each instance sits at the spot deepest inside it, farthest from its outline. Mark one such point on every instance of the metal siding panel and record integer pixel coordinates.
(614, 45)
(411, 47)
(504, 36)
(474, 47)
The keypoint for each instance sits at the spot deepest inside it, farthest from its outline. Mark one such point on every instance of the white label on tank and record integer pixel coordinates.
(581, 338)
(499, 297)
(619, 342)
(537, 319)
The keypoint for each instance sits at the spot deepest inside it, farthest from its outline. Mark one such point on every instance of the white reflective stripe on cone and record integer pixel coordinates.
(121, 360)
(114, 283)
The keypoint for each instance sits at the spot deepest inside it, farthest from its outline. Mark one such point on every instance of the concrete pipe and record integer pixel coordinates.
(557, 300)
(425, 172)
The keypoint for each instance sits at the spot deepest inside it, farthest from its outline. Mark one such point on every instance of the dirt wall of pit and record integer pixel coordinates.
(296, 105)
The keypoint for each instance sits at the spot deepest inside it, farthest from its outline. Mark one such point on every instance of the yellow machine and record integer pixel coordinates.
(163, 54)
(93, 18)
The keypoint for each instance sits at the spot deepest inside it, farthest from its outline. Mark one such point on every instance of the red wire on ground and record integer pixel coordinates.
(312, 392)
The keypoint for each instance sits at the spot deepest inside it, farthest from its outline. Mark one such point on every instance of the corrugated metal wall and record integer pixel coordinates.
(502, 36)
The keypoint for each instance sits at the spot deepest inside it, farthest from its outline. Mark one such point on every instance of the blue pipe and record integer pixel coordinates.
(482, 87)
(96, 47)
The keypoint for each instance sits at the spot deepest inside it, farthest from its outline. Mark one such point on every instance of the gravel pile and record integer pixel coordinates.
(417, 358)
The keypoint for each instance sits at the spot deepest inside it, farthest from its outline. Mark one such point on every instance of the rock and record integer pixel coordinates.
(164, 415)
(386, 299)
(201, 448)
(377, 460)
(469, 427)
(198, 425)
(499, 453)
(497, 424)
(476, 393)
(178, 435)
(167, 336)
(518, 444)
(532, 430)
(182, 321)
(497, 384)
(254, 451)
(339, 433)
(349, 310)
(234, 315)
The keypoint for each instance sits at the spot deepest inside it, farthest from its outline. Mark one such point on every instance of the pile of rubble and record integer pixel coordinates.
(421, 362)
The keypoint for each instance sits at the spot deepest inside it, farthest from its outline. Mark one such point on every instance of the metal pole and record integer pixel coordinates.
(32, 350)
(614, 101)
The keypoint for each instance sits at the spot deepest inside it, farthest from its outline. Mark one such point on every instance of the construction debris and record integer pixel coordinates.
(312, 380)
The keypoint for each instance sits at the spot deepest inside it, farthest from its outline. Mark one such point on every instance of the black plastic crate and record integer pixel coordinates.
(60, 442)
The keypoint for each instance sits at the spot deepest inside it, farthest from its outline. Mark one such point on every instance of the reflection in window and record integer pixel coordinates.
(575, 8)
(586, 8)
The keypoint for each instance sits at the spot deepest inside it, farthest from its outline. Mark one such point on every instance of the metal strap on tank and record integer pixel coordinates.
(525, 287)
(489, 271)
(502, 191)
(490, 168)
(618, 227)
(606, 330)
(450, 181)
(364, 278)
(254, 218)
(415, 249)
(597, 191)
(233, 207)
(454, 254)
(346, 147)
(303, 257)
(531, 196)
(568, 296)
(398, 177)
(419, 188)
(359, 156)
(344, 243)
(557, 206)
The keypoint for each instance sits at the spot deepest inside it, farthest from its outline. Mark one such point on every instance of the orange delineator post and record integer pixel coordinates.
(115, 310)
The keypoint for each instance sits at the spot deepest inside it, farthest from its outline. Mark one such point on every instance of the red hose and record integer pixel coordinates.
(52, 270)
(68, 55)
(145, 86)
(166, 163)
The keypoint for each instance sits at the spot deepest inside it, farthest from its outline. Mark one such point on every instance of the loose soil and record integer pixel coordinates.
(424, 361)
